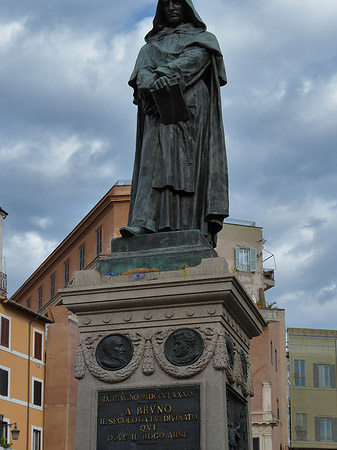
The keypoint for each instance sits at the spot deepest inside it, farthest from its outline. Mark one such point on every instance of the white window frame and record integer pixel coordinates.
(36, 330)
(300, 375)
(301, 425)
(325, 419)
(321, 375)
(4, 421)
(32, 397)
(35, 428)
(8, 396)
(9, 331)
(251, 254)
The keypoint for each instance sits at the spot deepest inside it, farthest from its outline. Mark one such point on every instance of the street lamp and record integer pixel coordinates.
(15, 432)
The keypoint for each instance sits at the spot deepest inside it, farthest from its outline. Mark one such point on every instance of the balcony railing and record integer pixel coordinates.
(268, 274)
(3, 282)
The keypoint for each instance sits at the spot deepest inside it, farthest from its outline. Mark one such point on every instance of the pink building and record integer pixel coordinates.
(269, 404)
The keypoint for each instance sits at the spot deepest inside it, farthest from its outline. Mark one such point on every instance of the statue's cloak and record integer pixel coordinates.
(180, 178)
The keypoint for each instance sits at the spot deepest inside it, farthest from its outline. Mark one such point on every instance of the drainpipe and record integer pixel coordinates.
(28, 380)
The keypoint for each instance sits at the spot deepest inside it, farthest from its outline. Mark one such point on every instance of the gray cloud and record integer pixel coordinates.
(67, 128)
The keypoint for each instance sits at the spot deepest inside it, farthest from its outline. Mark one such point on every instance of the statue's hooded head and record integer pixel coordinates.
(160, 21)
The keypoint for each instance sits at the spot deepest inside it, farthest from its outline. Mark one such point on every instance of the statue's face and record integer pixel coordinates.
(116, 349)
(174, 12)
(180, 346)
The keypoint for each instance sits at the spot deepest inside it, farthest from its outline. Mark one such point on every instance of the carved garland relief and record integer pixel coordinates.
(181, 353)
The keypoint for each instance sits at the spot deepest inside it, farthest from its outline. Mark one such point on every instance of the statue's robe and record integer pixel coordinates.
(180, 178)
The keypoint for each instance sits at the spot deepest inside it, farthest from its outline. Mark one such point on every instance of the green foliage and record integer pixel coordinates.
(271, 305)
(4, 443)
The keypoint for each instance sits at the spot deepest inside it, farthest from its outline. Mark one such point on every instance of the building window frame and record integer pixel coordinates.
(4, 428)
(39, 432)
(82, 256)
(325, 426)
(37, 404)
(301, 426)
(245, 259)
(66, 272)
(324, 376)
(256, 443)
(38, 351)
(52, 286)
(99, 235)
(271, 352)
(299, 372)
(28, 303)
(275, 357)
(8, 370)
(5, 331)
(39, 293)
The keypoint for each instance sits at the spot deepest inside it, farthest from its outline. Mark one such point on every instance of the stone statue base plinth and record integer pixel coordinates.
(163, 355)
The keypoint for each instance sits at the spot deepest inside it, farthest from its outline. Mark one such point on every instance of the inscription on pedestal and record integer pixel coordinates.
(162, 418)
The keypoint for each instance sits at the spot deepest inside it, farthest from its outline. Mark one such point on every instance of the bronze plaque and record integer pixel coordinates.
(162, 418)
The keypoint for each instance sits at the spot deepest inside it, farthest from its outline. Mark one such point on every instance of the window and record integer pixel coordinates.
(36, 439)
(99, 241)
(275, 359)
(324, 375)
(256, 443)
(66, 272)
(5, 331)
(4, 428)
(271, 352)
(40, 296)
(37, 392)
(28, 303)
(37, 343)
(245, 259)
(301, 426)
(52, 286)
(278, 408)
(82, 257)
(325, 429)
(299, 372)
(4, 381)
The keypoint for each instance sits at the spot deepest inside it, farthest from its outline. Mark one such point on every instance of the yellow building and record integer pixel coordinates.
(22, 374)
(313, 393)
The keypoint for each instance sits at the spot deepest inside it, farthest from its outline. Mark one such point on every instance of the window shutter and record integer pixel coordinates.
(252, 259)
(4, 332)
(316, 375)
(3, 382)
(333, 376)
(334, 429)
(317, 428)
(38, 346)
(237, 257)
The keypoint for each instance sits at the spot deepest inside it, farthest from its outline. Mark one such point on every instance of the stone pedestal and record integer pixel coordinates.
(163, 357)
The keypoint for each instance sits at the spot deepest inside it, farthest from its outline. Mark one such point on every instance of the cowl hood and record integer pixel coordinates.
(159, 21)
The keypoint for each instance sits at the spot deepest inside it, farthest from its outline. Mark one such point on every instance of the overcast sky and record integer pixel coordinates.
(67, 128)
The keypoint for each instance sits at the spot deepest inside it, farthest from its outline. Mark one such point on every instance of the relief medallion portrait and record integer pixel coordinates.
(114, 352)
(184, 347)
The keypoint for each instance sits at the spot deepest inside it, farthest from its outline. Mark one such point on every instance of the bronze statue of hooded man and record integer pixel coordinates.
(180, 179)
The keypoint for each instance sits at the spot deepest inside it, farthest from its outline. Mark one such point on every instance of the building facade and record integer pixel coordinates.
(22, 374)
(91, 238)
(269, 404)
(313, 393)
